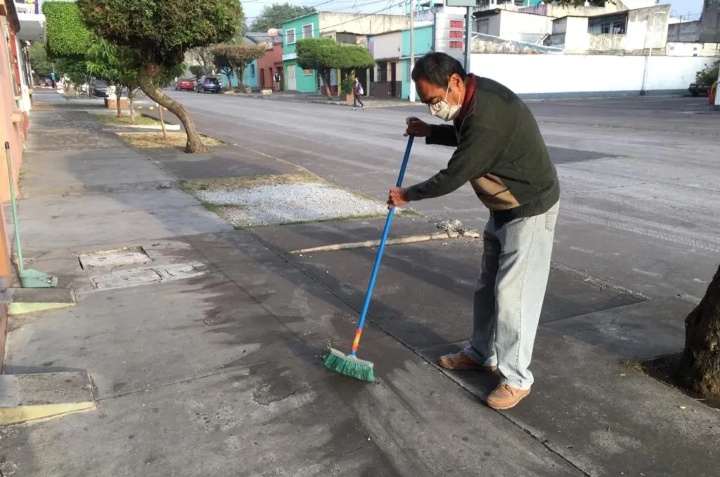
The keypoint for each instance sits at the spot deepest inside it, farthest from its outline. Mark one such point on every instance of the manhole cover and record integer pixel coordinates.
(114, 258)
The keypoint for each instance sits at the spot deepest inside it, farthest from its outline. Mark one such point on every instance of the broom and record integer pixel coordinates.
(351, 365)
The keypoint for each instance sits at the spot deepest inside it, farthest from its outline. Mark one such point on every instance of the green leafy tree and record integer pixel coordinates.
(75, 69)
(67, 36)
(708, 75)
(204, 58)
(39, 61)
(120, 66)
(162, 31)
(222, 64)
(236, 57)
(273, 16)
(324, 55)
(197, 70)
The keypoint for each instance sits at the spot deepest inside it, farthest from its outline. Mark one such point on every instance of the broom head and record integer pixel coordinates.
(350, 365)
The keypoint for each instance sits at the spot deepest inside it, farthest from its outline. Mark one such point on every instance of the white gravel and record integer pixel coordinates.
(279, 204)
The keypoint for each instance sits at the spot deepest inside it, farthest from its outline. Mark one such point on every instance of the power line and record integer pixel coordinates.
(364, 16)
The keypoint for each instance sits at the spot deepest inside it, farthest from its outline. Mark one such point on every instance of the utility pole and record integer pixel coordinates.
(412, 49)
(468, 38)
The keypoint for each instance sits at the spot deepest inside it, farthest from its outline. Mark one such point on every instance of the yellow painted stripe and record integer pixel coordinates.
(23, 308)
(20, 414)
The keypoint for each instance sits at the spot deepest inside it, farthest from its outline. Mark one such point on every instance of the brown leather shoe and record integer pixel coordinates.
(461, 361)
(505, 397)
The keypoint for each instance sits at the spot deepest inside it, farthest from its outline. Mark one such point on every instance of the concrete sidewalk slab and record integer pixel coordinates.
(32, 397)
(76, 172)
(113, 219)
(605, 418)
(420, 282)
(641, 330)
(287, 417)
(249, 308)
(585, 405)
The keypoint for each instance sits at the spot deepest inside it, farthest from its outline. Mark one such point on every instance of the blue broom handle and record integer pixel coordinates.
(383, 240)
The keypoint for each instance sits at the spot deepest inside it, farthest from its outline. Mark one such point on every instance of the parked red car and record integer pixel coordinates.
(185, 84)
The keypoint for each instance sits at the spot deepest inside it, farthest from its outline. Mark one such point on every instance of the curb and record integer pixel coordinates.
(20, 301)
(29, 397)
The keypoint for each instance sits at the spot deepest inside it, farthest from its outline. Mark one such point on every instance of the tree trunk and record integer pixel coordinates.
(325, 75)
(118, 95)
(162, 122)
(147, 73)
(699, 368)
(131, 97)
(240, 74)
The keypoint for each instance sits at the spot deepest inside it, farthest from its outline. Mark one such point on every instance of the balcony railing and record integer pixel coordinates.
(24, 6)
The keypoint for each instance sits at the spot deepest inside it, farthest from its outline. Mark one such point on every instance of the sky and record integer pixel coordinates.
(253, 8)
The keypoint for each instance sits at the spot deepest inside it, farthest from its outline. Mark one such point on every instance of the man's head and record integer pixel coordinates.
(439, 77)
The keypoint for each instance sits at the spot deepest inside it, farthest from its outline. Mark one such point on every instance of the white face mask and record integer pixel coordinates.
(443, 109)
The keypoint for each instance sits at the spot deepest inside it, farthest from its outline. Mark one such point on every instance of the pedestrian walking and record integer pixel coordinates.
(500, 151)
(357, 92)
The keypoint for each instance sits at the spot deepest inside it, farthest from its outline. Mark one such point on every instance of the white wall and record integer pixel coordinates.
(522, 26)
(387, 46)
(567, 74)
(576, 34)
(693, 49)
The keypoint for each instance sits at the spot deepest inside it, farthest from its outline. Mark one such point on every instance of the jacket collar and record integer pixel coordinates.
(469, 97)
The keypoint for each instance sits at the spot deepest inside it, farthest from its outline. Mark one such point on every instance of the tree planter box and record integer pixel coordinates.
(111, 103)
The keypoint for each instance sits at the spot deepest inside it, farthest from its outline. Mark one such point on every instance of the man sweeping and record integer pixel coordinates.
(500, 151)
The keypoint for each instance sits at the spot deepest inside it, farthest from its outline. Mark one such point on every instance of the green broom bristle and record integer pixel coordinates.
(349, 366)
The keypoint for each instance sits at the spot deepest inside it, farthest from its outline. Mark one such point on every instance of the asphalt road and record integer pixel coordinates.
(639, 176)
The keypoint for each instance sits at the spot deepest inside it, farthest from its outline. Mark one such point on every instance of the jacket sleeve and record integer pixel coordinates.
(443, 135)
(478, 151)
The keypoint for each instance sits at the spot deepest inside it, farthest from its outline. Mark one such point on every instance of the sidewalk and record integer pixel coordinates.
(204, 342)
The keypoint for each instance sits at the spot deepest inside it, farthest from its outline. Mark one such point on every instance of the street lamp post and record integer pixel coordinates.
(643, 91)
(412, 49)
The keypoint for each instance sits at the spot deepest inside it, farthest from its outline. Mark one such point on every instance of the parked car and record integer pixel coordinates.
(208, 83)
(99, 88)
(698, 89)
(184, 84)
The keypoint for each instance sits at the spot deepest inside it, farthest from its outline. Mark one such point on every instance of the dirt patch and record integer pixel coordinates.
(150, 140)
(663, 369)
(113, 120)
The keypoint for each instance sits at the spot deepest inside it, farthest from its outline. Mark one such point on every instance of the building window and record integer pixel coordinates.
(483, 26)
(308, 72)
(608, 26)
(290, 36)
(252, 70)
(382, 68)
(308, 30)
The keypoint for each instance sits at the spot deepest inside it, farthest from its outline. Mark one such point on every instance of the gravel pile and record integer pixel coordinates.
(279, 204)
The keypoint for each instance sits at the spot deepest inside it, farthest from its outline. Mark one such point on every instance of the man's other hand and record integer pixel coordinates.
(397, 197)
(417, 127)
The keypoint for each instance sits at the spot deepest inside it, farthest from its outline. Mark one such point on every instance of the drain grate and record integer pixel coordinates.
(114, 258)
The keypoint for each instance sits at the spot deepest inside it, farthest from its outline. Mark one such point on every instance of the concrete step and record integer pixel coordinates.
(28, 397)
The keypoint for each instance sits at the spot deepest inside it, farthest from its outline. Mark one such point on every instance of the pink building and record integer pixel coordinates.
(270, 66)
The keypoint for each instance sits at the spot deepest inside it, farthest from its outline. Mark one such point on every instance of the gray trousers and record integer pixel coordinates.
(509, 294)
